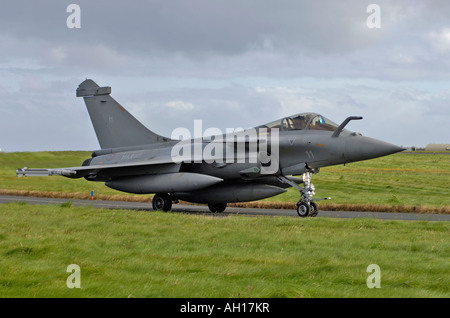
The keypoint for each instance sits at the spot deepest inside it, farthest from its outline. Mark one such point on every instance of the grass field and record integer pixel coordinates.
(400, 182)
(412, 180)
(151, 254)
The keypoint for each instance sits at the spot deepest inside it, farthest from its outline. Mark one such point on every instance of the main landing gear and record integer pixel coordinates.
(162, 202)
(217, 207)
(306, 206)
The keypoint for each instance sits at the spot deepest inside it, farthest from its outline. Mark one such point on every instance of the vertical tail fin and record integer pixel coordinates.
(114, 126)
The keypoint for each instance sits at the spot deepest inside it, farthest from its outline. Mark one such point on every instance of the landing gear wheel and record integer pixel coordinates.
(303, 209)
(314, 210)
(217, 207)
(162, 202)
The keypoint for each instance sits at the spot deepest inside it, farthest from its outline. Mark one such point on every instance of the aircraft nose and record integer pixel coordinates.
(362, 148)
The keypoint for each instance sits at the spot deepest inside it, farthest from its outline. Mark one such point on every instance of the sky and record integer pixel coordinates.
(231, 64)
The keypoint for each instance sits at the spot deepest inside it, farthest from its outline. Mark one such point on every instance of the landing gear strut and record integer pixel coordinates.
(306, 205)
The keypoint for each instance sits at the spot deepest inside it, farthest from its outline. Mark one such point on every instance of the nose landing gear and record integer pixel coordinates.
(306, 206)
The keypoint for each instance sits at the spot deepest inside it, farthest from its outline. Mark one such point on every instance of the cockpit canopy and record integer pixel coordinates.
(302, 121)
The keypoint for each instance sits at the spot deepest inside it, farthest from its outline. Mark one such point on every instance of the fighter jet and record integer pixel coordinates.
(236, 166)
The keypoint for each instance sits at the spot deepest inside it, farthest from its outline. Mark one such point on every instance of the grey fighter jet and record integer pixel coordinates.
(236, 166)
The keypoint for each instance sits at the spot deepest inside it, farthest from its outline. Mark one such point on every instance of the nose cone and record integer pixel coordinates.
(361, 148)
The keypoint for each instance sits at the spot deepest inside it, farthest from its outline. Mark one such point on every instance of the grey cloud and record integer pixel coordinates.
(228, 38)
(199, 28)
(231, 106)
(230, 63)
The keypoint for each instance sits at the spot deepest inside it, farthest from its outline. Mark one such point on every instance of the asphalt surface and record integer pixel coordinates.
(181, 208)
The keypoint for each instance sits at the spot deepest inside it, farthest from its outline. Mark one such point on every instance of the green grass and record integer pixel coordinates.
(125, 253)
(9, 162)
(400, 179)
(396, 180)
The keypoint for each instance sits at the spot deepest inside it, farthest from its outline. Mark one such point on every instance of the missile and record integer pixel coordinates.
(46, 172)
(167, 182)
(221, 193)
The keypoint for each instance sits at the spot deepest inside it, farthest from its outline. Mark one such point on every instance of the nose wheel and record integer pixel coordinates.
(304, 209)
(314, 210)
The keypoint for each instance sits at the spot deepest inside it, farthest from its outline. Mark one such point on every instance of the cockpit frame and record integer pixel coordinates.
(302, 121)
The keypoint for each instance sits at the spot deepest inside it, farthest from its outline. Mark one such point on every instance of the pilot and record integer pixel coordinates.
(299, 122)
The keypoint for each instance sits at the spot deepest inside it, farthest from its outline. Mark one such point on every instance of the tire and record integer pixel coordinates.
(303, 210)
(314, 210)
(212, 207)
(217, 207)
(162, 202)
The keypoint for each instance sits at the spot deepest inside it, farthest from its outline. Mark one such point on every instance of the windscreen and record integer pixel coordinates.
(302, 121)
(321, 123)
